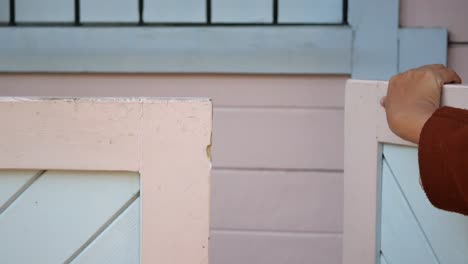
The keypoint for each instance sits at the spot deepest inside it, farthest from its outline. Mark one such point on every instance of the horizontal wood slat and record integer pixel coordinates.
(174, 11)
(318, 91)
(278, 138)
(242, 11)
(451, 14)
(44, 11)
(59, 212)
(274, 200)
(310, 11)
(4, 11)
(177, 49)
(458, 60)
(271, 248)
(109, 11)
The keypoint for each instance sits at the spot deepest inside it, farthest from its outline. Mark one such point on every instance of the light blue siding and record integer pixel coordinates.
(310, 11)
(420, 46)
(4, 11)
(118, 11)
(174, 11)
(52, 11)
(242, 11)
(446, 232)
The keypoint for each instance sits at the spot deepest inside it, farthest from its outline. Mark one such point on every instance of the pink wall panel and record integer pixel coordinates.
(449, 14)
(458, 60)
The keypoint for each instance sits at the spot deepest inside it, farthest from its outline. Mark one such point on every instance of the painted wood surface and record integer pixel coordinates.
(458, 60)
(419, 47)
(174, 11)
(56, 234)
(12, 184)
(226, 90)
(242, 11)
(119, 243)
(450, 15)
(289, 49)
(375, 53)
(109, 11)
(446, 233)
(383, 260)
(44, 11)
(274, 201)
(4, 11)
(233, 247)
(310, 11)
(403, 240)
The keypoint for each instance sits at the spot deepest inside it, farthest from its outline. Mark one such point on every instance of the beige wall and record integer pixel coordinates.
(277, 183)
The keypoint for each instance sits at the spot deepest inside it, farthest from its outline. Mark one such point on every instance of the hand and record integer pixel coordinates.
(413, 96)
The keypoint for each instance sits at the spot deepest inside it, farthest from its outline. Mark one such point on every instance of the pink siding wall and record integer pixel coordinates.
(277, 184)
(449, 14)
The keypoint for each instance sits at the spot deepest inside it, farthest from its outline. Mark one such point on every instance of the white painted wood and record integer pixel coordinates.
(109, 11)
(174, 11)
(234, 247)
(365, 130)
(4, 11)
(50, 11)
(119, 243)
(175, 190)
(446, 232)
(242, 11)
(274, 201)
(12, 181)
(310, 11)
(403, 240)
(375, 24)
(418, 47)
(383, 260)
(54, 235)
(177, 49)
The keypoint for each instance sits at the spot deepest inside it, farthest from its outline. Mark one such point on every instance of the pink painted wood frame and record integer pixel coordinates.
(166, 140)
(366, 130)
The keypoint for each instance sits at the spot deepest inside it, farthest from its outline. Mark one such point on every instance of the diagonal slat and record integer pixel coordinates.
(119, 243)
(402, 240)
(12, 183)
(60, 212)
(446, 232)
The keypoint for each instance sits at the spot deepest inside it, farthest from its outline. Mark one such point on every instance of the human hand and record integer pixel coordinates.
(413, 96)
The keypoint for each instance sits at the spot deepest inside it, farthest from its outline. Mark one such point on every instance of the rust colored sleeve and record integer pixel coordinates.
(443, 159)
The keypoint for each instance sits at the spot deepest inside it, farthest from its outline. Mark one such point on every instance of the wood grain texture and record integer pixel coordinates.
(174, 11)
(418, 47)
(289, 49)
(375, 53)
(446, 232)
(4, 11)
(55, 234)
(76, 135)
(450, 15)
(402, 238)
(248, 137)
(119, 243)
(109, 11)
(175, 168)
(242, 11)
(270, 248)
(308, 91)
(277, 201)
(12, 181)
(44, 11)
(310, 11)
(458, 60)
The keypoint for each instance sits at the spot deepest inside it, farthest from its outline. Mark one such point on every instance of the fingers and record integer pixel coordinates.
(382, 101)
(449, 76)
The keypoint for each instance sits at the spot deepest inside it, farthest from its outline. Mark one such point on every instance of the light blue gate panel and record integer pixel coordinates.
(310, 11)
(242, 11)
(117, 11)
(174, 11)
(45, 11)
(420, 46)
(4, 11)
